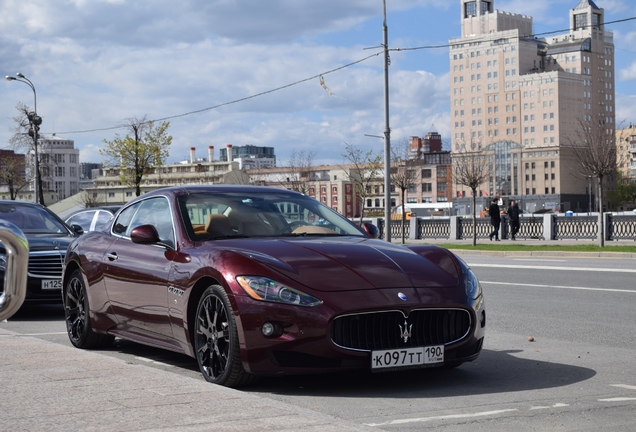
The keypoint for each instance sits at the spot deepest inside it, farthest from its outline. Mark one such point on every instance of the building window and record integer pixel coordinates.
(470, 9)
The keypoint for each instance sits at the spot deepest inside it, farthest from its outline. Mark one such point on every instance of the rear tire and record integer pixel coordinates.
(216, 341)
(77, 315)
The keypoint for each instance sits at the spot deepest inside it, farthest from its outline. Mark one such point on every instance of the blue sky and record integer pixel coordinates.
(96, 63)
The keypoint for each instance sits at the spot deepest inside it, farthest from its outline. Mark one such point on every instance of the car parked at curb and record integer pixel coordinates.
(256, 281)
(48, 237)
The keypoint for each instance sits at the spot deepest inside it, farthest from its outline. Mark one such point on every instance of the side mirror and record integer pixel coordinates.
(370, 230)
(144, 234)
(78, 229)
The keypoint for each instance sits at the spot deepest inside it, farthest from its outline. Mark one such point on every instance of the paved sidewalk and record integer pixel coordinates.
(51, 387)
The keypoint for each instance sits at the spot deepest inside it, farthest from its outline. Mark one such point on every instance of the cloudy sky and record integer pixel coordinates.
(96, 63)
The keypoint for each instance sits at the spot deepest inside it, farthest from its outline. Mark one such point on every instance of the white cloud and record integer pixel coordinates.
(627, 74)
(96, 63)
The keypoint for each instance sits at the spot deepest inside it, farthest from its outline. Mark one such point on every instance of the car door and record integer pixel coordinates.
(136, 275)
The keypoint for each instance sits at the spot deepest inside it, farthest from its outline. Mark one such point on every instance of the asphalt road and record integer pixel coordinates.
(576, 375)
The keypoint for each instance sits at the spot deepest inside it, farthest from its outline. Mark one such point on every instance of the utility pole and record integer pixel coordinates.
(387, 132)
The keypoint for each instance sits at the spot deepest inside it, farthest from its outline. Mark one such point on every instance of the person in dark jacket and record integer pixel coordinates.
(513, 219)
(495, 219)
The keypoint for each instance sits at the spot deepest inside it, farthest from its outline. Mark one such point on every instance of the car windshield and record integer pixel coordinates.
(210, 215)
(31, 219)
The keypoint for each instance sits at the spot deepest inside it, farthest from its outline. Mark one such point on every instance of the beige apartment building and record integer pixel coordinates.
(521, 97)
(626, 151)
(108, 188)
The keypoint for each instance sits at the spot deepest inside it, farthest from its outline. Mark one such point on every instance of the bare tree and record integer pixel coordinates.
(23, 140)
(88, 199)
(594, 146)
(470, 169)
(12, 172)
(403, 174)
(363, 171)
(146, 148)
(297, 177)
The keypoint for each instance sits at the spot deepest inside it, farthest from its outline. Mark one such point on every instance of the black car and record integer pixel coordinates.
(92, 218)
(48, 238)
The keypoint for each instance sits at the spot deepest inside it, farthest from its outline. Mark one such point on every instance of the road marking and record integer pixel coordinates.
(589, 269)
(618, 399)
(536, 259)
(445, 417)
(625, 386)
(559, 287)
(557, 405)
(43, 334)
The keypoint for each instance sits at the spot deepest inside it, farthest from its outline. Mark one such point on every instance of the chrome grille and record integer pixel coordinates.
(46, 265)
(384, 330)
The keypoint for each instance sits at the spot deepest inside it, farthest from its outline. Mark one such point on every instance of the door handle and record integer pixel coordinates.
(112, 256)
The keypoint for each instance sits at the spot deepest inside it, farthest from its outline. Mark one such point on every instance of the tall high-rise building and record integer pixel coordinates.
(521, 98)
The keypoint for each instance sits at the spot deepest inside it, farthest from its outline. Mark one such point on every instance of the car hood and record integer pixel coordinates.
(47, 242)
(348, 263)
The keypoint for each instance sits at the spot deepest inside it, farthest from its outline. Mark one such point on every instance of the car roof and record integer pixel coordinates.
(186, 190)
(20, 203)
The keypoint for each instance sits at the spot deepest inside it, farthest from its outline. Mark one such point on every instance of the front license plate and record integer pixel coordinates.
(52, 284)
(398, 358)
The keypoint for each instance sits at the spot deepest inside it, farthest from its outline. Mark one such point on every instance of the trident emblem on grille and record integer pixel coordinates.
(405, 332)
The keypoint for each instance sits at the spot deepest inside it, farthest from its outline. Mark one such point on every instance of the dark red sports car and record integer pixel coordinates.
(263, 281)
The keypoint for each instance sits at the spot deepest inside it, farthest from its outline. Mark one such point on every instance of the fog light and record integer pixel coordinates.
(270, 329)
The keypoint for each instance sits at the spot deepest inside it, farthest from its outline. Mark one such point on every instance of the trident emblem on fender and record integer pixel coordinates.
(405, 332)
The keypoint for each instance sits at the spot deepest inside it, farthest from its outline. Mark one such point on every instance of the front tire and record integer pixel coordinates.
(76, 311)
(216, 340)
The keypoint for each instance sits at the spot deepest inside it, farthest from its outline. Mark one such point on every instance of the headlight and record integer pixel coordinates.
(471, 284)
(266, 289)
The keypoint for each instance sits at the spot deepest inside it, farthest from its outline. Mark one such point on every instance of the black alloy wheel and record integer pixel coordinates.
(76, 311)
(216, 340)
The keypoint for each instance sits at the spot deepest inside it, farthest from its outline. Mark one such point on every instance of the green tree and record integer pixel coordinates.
(142, 149)
(624, 192)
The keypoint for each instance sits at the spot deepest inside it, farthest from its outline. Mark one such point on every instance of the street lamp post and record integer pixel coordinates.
(387, 132)
(35, 121)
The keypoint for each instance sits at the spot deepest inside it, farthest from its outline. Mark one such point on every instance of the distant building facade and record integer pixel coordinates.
(108, 188)
(520, 98)
(626, 151)
(249, 156)
(59, 167)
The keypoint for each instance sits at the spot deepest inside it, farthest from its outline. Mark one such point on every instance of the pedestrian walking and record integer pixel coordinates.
(513, 219)
(495, 219)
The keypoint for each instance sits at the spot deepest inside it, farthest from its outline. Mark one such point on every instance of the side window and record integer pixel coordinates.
(123, 221)
(83, 219)
(153, 211)
(161, 219)
(142, 216)
(102, 219)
